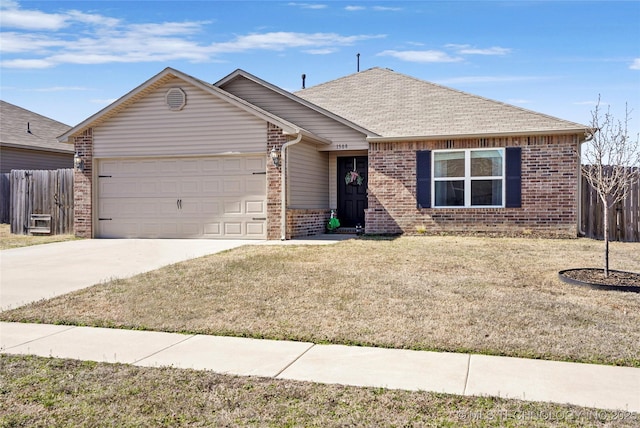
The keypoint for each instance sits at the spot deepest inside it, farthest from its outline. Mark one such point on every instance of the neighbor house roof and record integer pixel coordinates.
(166, 75)
(396, 106)
(24, 129)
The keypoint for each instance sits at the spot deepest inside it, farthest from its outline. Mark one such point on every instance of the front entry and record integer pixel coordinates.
(352, 190)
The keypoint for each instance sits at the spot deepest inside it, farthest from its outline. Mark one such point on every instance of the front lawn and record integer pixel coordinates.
(466, 294)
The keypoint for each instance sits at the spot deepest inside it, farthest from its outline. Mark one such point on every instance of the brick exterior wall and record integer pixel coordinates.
(307, 222)
(275, 138)
(549, 190)
(82, 186)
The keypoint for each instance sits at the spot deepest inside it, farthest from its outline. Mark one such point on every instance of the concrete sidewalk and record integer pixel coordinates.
(602, 387)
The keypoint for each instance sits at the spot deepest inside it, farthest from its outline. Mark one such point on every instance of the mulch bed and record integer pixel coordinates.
(594, 278)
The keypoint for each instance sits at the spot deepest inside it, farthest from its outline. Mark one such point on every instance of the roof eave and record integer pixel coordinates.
(584, 131)
(38, 148)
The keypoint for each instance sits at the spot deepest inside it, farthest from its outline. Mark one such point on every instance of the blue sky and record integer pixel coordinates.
(69, 59)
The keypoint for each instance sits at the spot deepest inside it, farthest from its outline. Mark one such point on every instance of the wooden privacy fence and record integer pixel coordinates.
(4, 198)
(624, 217)
(40, 201)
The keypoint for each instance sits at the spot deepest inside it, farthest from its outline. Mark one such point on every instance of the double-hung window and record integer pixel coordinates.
(468, 178)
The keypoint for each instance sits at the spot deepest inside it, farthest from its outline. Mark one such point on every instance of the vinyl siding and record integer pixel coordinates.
(207, 125)
(342, 137)
(13, 158)
(308, 170)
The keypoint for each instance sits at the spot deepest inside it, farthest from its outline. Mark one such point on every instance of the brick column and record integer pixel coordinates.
(275, 138)
(83, 186)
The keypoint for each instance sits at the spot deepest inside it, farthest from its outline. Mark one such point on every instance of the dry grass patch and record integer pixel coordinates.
(470, 294)
(9, 240)
(45, 392)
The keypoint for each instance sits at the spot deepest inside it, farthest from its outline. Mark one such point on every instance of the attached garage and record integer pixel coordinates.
(181, 158)
(204, 197)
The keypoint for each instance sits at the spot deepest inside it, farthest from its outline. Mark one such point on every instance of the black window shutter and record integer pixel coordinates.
(514, 177)
(423, 178)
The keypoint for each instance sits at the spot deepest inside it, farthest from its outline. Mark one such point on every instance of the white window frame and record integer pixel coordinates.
(467, 178)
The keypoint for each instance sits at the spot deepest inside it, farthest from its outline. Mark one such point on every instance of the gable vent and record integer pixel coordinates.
(176, 99)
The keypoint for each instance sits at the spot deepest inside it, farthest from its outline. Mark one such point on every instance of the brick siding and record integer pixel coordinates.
(275, 138)
(307, 222)
(82, 186)
(549, 190)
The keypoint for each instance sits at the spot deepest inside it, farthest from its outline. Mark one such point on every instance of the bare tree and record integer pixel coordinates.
(611, 162)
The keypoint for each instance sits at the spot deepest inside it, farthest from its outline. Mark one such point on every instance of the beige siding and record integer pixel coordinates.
(207, 125)
(342, 137)
(308, 170)
(14, 158)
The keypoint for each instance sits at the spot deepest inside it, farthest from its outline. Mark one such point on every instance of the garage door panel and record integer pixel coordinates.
(256, 229)
(233, 228)
(233, 207)
(216, 197)
(256, 164)
(256, 207)
(213, 229)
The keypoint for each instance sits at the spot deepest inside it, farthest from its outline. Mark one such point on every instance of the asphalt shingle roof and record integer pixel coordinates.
(44, 131)
(391, 105)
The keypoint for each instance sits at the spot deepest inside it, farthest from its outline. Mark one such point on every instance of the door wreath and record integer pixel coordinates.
(353, 177)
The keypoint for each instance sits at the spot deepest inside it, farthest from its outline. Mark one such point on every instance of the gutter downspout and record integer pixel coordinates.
(283, 208)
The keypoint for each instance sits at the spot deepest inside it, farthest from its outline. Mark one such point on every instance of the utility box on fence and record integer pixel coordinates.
(40, 224)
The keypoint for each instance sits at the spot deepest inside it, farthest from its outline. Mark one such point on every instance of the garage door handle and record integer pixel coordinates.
(259, 218)
(179, 203)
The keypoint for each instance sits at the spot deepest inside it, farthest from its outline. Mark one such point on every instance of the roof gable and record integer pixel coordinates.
(241, 74)
(394, 105)
(169, 74)
(22, 128)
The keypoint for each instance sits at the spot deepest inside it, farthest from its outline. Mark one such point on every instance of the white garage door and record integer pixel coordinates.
(211, 197)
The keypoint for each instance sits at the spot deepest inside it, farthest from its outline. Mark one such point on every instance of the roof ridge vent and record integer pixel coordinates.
(176, 99)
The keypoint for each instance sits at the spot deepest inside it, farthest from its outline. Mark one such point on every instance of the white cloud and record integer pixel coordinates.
(635, 65)
(28, 63)
(94, 39)
(386, 9)
(14, 42)
(325, 51)
(14, 17)
(420, 56)
(470, 50)
(353, 8)
(283, 40)
(308, 5)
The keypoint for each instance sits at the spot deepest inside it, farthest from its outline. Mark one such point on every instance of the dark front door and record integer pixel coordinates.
(352, 190)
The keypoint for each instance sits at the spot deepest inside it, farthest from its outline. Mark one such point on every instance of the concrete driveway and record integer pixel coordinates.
(38, 272)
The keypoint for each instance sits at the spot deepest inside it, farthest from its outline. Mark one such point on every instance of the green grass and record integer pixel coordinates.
(45, 392)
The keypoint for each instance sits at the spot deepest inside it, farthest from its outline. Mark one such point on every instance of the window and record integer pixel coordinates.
(468, 178)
